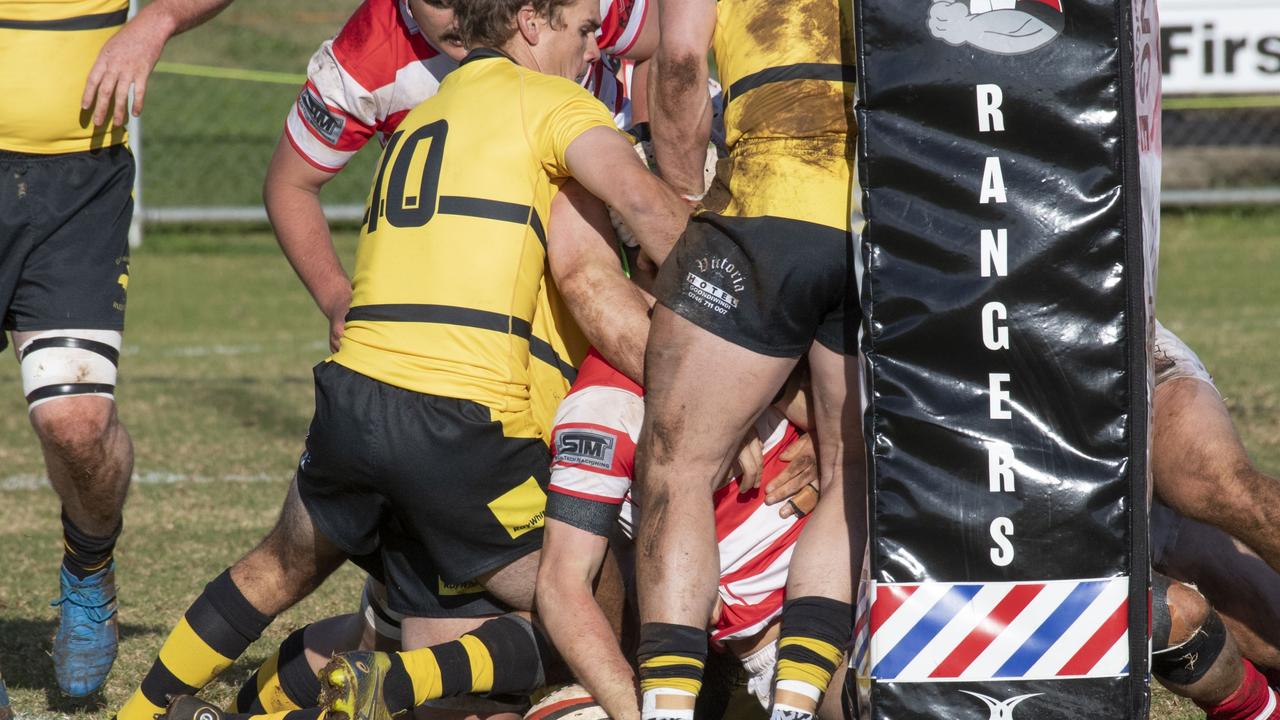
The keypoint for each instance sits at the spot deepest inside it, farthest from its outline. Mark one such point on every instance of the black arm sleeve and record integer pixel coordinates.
(593, 516)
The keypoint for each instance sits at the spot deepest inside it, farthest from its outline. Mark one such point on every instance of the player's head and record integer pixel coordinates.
(557, 37)
(436, 21)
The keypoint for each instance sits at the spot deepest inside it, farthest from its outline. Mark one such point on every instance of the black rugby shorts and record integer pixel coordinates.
(429, 484)
(64, 239)
(771, 285)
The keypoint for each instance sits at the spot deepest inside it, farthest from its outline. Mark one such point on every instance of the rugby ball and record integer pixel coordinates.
(568, 702)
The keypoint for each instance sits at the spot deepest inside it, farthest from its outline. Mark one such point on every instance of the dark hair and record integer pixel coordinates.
(491, 23)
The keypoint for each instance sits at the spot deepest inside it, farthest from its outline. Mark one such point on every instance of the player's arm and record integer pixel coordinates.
(679, 105)
(571, 559)
(128, 58)
(292, 196)
(606, 165)
(612, 311)
(798, 481)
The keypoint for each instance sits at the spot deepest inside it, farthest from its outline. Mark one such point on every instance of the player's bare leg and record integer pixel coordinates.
(702, 393)
(1241, 587)
(234, 609)
(1202, 470)
(69, 377)
(817, 620)
(1194, 656)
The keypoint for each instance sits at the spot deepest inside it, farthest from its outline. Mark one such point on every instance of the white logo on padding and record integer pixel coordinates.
(1001, 709)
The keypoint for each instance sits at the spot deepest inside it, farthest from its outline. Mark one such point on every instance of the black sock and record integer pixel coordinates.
(672, 658)
(84, 554)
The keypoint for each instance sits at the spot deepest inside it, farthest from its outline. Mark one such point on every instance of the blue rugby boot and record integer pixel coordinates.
(87, 639)
(6, 712)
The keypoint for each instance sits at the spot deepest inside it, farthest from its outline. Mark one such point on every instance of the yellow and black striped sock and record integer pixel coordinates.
(815, 631)
(215, 630)
(84, 554)
(505, 655)
(285, 681)
(672, 658)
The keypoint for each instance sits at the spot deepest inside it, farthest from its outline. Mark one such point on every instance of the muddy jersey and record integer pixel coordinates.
(1172, 358)
(594, 446)
(788, 75)
(47, 48)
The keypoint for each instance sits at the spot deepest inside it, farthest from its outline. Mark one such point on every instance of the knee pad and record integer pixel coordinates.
(1187, 662)
(69, 363)
(373, 607)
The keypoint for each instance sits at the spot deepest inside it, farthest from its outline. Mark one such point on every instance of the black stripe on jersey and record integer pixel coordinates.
(94, 346)
(82, 22)
(493, 210)
(49, 391)
(482, 208)
(798, 71)
(543, 351)
(535, 222)
(443, 315)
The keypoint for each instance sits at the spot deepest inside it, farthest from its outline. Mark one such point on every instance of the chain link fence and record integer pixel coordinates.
(215, 109)
(216, 106)
(1222, 149)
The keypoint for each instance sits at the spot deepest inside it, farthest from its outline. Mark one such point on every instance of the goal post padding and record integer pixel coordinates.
(1009, 163)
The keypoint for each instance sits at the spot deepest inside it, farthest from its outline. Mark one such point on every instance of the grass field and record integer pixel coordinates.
(215, 387)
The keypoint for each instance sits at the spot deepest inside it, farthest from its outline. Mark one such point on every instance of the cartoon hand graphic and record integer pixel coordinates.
(949, 22)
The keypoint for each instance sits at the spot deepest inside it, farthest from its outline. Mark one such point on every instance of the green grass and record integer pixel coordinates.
(215, 387)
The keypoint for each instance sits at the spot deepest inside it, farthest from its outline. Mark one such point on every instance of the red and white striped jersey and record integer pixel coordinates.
(620, 25)
(380, 66)
(609, 78)
(364, 81)
(594, 444)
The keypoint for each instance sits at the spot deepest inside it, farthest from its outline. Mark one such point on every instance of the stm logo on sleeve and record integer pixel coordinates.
(593, 448)
(327, 124)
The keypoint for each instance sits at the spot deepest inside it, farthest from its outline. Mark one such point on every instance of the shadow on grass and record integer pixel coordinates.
(25, 645)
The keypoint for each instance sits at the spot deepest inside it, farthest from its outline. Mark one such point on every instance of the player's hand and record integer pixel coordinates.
(948, 21)
(337, 314)
(800, 472)
(749, 466)
(127, 59)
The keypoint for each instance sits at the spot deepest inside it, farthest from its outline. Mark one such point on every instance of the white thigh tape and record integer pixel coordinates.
(373, 605)
(68, 363)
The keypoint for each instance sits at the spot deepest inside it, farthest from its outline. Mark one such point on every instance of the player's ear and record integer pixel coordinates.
(527, 23)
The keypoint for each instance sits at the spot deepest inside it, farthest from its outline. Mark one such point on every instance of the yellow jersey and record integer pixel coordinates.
(452, 253)
(46, 50)
(788, 71)
(558, 348)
